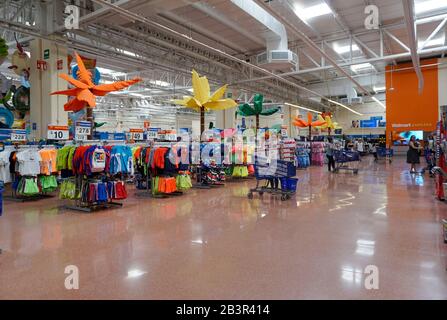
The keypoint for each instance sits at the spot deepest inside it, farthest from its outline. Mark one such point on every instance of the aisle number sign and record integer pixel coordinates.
(58, 132)
(137, 134)
(18, 135)
(83, 128)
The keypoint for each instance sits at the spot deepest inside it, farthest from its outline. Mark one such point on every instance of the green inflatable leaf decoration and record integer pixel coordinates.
(270, 112)
(246, 110)
(258, 100)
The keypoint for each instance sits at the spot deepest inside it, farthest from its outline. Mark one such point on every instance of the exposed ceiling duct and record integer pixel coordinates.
(278, 56)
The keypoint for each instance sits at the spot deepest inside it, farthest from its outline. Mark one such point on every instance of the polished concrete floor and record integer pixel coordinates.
(217, 244)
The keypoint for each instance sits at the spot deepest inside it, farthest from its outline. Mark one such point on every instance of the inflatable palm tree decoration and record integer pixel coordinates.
(246, 110)
(329, 124)
(297, 122)
(85, 90)
(203, 101)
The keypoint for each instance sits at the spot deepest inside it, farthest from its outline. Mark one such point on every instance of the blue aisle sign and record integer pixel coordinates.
(368, 123)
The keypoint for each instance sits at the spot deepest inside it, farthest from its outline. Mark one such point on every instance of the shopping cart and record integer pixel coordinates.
(347, 160)
(385, 154)
(278, 177)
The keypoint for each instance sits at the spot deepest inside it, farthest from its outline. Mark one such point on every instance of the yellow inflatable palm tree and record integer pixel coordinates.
(203, 101)
(329, 125)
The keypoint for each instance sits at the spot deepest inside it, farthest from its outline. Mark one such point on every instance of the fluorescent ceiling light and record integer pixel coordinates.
(379, 89)
(313, 11)
(379, 102)
(303, 108)
(129, 53)
(432, 43)
(345, 49)
(110, 72)
(343, 106)
(362, 66)
(160, 83)
(429, 5)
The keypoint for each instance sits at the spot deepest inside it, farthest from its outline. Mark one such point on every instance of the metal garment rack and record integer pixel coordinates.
(147, 192)
(79, 178)
(14, 197)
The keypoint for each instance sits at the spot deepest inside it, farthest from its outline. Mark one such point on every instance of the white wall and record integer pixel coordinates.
(344, 118)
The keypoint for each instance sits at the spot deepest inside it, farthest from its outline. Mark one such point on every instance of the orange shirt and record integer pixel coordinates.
(48, 163)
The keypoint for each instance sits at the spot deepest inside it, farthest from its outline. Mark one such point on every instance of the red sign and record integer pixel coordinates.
(60, 64)
(42, 65)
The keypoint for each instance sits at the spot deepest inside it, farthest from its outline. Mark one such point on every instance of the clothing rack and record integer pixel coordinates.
(78, 206)
(14, 197)
(148, 192)
(79, 179)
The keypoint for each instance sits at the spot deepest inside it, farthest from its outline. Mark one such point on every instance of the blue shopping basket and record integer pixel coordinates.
(289, 184)
(280, 169)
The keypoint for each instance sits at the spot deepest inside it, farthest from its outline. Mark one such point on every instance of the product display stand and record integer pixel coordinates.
(150, 173)
(90, 207)
(84, 202)
(14, 197)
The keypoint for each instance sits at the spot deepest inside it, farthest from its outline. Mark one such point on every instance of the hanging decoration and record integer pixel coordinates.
(20, 62)
(203, 101)
(96, 74)
(246, 110)
(85, 90)
(298, 122)
(330, 125)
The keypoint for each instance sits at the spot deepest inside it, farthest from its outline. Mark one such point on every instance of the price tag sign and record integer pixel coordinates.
(81, 137)
(58, 133)
(83, 128)
(171, 137)
(137, 134)
(18, 135)
(152, 135)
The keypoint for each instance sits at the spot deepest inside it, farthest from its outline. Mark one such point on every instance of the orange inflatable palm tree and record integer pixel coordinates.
(85, 90)
(297, 122)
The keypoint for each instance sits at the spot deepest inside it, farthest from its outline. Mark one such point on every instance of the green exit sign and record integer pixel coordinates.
(46, 54)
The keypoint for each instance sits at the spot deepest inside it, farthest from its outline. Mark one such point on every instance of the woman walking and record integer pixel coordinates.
(413, 154)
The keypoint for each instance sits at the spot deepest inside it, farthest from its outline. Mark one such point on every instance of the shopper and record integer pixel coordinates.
(413, 153)
(374, 151)
(330, 155)
(360, 147)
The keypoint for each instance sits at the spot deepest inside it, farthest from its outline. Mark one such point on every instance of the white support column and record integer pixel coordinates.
(47, 109)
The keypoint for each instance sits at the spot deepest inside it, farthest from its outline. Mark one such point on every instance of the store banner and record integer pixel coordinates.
(407, 108)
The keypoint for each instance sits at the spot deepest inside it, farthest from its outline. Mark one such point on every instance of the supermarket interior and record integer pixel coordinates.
(223, 149)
